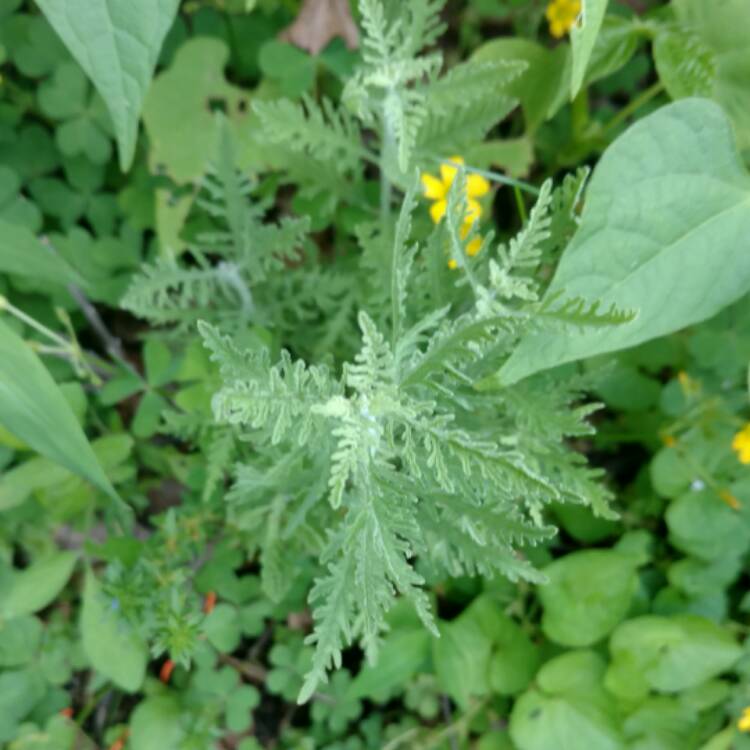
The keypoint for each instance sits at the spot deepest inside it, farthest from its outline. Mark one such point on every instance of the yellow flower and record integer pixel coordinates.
(741, 444)
(436, 189)
(474, 246)
(562, 15)
(743, 724)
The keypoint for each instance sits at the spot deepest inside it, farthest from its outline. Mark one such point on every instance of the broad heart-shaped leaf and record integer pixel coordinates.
(587, 595)
(583, 38)
(704, 528)
(156, 724)
(461, 655)
(668, 654)
(665, 231)
(117, 43)
(567, 709)
(109, 642)
(34, 410)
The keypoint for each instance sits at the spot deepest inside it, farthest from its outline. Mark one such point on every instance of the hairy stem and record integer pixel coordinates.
(386, 189)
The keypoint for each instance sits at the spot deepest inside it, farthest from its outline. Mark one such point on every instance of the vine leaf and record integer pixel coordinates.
(117, 44)
(34, 410)
(664, 231)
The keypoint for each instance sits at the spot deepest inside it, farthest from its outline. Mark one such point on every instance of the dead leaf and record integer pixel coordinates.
(319, 21)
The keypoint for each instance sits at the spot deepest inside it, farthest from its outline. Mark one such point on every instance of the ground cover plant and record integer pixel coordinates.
(374, 375)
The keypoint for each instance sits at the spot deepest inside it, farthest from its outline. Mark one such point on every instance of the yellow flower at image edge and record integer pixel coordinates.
(562, 15)
(741, 444)
(743, 724)
(436, 189)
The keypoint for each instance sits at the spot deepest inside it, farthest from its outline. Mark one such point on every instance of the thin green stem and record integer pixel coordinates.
(33, 323)
(90, 705)
(399, 740)
(455, 729)
(495, 177)
(520, 204)
(386, 189)
(458, 726)
(84, 363)
(58, 351)
(369, 156)
(633, 106)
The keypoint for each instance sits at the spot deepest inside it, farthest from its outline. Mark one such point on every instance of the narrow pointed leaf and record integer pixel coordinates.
(117, 43)
(583, 38)
(110, 643)
(37, 586)
(34, 410)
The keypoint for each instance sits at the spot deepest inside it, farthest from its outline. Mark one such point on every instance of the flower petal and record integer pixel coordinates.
(477, 186)
(448, 171)
(562, 16)
(438, 209)
(434, 189)
(473, 211)
(557, 29)
(474, 246)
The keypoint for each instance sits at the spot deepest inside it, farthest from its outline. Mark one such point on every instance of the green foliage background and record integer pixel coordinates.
(259, 443)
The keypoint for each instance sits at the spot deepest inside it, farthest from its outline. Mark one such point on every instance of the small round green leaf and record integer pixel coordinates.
(588, 593)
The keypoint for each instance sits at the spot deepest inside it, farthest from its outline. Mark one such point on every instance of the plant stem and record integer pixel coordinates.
(386, 188)
(496, 177)
(112, 344)
(85, 363)
(33, 323)
(521, 205)
(459, 725)
(633, 106)
(446, 706)
(398, 741)
(90, 705)
(436, 738)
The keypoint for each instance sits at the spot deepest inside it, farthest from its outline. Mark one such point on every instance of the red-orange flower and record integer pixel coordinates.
(209, 602)
(166, 671)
